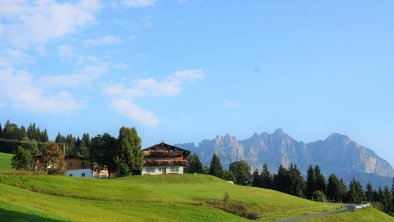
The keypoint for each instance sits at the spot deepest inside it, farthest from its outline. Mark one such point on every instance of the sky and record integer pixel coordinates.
(187, 70)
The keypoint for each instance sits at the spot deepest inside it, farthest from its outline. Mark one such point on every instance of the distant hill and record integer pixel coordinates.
(336, 154)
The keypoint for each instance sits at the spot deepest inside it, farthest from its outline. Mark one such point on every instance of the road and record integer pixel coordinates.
(348, 207)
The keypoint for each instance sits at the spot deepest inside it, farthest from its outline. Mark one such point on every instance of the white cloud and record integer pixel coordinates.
(132, 111)
(65, 51)
(109, 39)
(138, 3)
(123, 97)
(30, 97)
(82, 77)
(36, 22)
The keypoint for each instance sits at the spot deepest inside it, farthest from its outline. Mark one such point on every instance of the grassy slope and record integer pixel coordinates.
(139, 198)
(5, 161)
(364, 215)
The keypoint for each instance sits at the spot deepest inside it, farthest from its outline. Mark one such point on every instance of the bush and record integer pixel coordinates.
(235, 208)
(319, 196)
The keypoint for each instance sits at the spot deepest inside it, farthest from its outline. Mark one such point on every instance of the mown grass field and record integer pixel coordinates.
(144, 198)
(364, 215)
(138, 198)
(5, 161)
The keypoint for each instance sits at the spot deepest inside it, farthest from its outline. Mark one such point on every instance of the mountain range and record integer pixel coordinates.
(336, 154)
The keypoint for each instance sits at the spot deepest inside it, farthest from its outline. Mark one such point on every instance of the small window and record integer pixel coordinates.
(83, 164)
(70, 175)
(159, 169)
(174, 169)
(83, 174)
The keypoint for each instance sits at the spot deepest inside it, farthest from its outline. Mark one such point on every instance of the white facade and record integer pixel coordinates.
(79, 173)
(157, 170)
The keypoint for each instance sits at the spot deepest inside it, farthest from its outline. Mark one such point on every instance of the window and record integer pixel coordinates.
(70, 175)
(83, 174)
(83, 164)
(174, 169)
(150, 169)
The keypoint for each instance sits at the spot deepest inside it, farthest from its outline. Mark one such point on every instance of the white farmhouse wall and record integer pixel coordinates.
(155, 170)
(79, 173)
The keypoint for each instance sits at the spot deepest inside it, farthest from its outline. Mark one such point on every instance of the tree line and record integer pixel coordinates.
(121, 156)
(290, 180)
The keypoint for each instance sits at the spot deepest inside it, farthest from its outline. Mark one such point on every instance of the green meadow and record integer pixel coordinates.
(5, 161)
(29, 197)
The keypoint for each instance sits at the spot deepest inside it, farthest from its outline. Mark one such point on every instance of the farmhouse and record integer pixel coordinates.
(163, 158)
(76, 166)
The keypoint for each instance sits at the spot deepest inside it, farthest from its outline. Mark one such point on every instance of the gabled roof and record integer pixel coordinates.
(167, 146)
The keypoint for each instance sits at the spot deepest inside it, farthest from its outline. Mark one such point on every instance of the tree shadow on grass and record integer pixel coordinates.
(12, 216)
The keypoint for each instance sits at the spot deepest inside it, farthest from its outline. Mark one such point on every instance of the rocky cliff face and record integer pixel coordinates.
(336, 154)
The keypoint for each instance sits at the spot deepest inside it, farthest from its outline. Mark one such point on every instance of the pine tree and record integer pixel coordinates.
(387, 200)
(355, 192)
(333, 188)
(194, 164)
(310, 182)
(256, 178)
(297, 183)
(1, 131)
(129, 158)
(215, 168)
(392, 194)
(282, 180)
(369, 192)
(342, 191)
(44, 136)
(266, 178)
(321, 183)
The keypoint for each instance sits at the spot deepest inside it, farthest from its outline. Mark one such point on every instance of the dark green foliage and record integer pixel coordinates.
(297, 184)
(342, 191)
(281, 180)
(215, 168)
(228, 175)
(369, 193)
(241, 172)
(266, 178)
(194, 164)
(355, 192)
(333, 188)
(102, 152)
(386, 200)
(129, 155)
(315, 181)
(256, 179)
(22, 160)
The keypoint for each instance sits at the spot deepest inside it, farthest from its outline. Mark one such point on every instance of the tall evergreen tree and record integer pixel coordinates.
(102, 152)
(321, 183)
(44, 136)
(342, 191)
(266, 178)
(1, 131)
(369, 192)
(215, 168)
(296, 180)
(256, 179)
(392, 194)
(387, 200)
(194, 164)
(310, 182)
(333, 188)
(355, 192)
(281, 180)
(83, 150)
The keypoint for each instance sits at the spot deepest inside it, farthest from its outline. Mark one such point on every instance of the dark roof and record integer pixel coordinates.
(168, 146)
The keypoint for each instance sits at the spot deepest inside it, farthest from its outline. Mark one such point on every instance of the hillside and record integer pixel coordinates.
(149, 198)
(336, 154)
(5, 161)
(138, 198)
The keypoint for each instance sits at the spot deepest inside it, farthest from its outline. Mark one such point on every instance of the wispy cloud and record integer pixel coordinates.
(65, 51)
(123, 97)
(82, 77)
(27, 22)
(138, 3)
(30, 97)
(109, 39)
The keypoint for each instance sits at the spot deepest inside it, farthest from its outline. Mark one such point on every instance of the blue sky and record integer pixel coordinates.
(186, 70)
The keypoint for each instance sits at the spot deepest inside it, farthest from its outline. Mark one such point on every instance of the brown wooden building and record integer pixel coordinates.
(163, 158)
